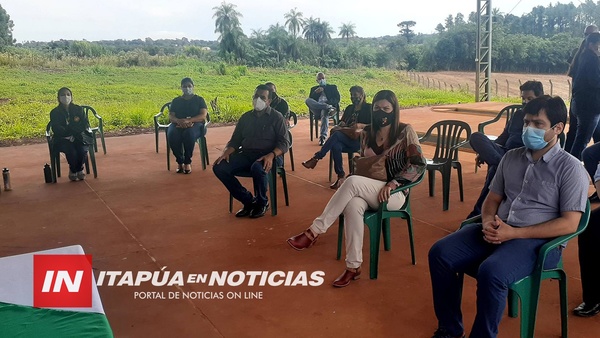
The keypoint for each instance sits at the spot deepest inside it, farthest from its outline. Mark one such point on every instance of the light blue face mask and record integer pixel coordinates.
(322, 82)
(533, 138)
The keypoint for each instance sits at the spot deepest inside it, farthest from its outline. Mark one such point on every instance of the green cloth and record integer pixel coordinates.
(26, 321)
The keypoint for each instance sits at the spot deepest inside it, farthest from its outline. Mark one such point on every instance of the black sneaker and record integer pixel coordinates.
(245, 211)
(442, 333)
(321, 141)
(585, 310)
(259, 211)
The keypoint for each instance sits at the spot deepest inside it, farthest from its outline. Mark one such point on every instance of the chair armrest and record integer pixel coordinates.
(293, 116)
(474, 219)
(482, 125)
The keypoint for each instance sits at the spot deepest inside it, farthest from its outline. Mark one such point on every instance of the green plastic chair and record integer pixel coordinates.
(379, 218)
(314, 122)
(201, 140)
(55, 157)
(528, 288)
(272, 179)
(99, 129)
(293, 117)
(448, 139)
(509, 111)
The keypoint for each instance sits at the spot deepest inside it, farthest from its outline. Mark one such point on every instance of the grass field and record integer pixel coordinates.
(129, 97)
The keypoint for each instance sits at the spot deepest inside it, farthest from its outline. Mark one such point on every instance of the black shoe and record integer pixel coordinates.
(245, 211)
(259, 211)
(442, 333)
(321, 141)
(584, 310)
(594, 198)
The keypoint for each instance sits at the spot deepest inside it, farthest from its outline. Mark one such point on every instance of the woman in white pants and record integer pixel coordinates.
(404, 164)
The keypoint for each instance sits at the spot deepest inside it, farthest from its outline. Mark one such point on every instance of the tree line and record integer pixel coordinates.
(539, 41)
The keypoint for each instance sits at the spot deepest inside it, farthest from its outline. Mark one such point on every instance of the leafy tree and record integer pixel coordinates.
(318, 32)
(6, 27)
(406, 31)
(294, 21)
(449, 22)
(347, 31)
(459, 19)
(439, 28)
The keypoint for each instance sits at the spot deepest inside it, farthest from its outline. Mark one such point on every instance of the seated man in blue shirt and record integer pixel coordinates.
(260, 136)
(539, 192)
(491, 152)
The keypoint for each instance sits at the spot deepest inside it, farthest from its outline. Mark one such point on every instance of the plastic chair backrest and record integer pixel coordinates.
(509, 111)
(87, 110)
(449, 135)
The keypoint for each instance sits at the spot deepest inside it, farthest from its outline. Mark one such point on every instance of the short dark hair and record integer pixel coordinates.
(535, 86)
(265, 87)
(555, 108)
(187, 80)
(358, 90)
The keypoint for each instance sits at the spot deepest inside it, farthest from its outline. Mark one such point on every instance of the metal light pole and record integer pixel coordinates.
(483, 56)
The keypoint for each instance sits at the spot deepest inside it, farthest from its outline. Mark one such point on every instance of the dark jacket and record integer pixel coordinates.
(71, 123)
(586, 83)
(511, 136)
(362, 116)
(281, 106)
(332, 93)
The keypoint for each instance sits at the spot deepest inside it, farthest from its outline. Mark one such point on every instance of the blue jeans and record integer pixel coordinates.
(183, 140)
(338, 143)
(244, 163)
(587, 127)
(320, 112)
(494, 266)
(491, 153)
(590, 157)
(75, 152)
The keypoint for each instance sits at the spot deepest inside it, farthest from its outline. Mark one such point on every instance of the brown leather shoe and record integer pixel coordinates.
(348, 276)
(310, 164)
(338, 183)
(303, 240)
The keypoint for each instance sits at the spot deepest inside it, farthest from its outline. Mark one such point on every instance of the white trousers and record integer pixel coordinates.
(353, 198)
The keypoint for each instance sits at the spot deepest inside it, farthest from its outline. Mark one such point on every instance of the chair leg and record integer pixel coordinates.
(202, 145)
(458, 167)
(513, 304)
(168, 152)
(564, 310)
(53, 160)
(230, 203)
(285, 188)
(340, 236)
(310, 118)
(291, 151)
(205, 150)
(375, 238)
(387, 240)
(411, 238)
(330, 165)
(156, 137)
(95, 141)
(93, 160)
(58, 165)
(102, 139)
(350, 164)
(87, 162)
(317, 129)
(431, 178)
(446, 171)
(272, 177)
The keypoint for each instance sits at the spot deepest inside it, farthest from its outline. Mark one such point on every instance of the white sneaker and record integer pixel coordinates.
(81, 175)
(72, 176)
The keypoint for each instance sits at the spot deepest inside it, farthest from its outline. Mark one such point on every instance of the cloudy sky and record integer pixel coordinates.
(46, 20)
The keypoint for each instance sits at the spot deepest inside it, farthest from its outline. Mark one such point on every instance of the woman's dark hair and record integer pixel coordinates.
(62, 90)
(555, 108)
(357, 90)
(389, 96)
(591, 38)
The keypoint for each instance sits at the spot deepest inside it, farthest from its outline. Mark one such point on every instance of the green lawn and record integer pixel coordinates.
(129, 97)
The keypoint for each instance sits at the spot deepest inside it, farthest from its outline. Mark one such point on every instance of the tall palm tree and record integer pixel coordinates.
(347, 31)
(277, 38)
(227, 24)
(294, 21)
(318, 32)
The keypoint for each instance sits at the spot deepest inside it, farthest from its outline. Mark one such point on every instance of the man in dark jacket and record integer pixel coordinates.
(323, 101)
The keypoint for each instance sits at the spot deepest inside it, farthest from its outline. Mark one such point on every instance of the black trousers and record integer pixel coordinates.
(589, 259)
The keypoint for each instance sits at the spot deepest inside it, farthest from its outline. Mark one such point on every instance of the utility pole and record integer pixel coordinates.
(483, 56)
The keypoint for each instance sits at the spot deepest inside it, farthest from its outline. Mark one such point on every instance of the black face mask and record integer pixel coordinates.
(382, 119)
(356, 101)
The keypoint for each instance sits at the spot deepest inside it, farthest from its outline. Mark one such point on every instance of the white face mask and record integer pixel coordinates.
(259, 104)
(187, 90)
(66, 100)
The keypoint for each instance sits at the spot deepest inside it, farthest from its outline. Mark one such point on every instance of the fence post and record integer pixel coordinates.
(496, 80)
(467, 87)
(551, 87)
(439, 85)
(459, 87)
(451, 88)
(427, 82)
(445, 86)
(569, 83)
(507, 88)
(520, 84)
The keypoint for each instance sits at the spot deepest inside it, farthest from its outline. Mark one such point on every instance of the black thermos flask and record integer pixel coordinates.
(47, 173)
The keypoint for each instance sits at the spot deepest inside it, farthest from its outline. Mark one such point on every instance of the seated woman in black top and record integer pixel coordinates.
(345, 135)
(70, 126)
(187, 115)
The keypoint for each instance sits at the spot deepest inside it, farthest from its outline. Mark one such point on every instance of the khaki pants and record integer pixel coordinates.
(353, 198)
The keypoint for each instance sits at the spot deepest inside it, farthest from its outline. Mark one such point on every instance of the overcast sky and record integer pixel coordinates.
(46, 20)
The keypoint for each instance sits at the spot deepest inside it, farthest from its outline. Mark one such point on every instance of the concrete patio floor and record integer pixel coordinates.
(137, 216)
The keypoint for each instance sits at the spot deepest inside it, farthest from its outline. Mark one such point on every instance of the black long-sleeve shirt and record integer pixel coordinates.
(586, 83)
(68, 123)
(261, 133)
